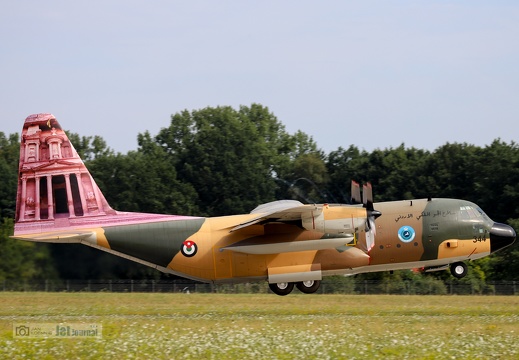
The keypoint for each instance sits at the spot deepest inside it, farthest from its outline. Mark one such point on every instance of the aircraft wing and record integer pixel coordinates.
(259, 246)
(280, 211)
(285, 211)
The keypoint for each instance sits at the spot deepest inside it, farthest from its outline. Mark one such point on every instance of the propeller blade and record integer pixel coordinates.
(371, 232)
(355, 193)
(367, 196)
(371, 215)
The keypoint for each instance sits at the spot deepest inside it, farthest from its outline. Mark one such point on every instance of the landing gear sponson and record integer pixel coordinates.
(458, 270)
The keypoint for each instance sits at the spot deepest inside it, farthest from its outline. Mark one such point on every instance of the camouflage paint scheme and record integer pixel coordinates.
(280, 242)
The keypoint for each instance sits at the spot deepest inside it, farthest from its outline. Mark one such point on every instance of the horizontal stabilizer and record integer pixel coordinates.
(57, 237)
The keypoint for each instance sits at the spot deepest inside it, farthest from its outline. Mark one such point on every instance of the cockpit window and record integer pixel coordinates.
(468, 212)
(482, 213)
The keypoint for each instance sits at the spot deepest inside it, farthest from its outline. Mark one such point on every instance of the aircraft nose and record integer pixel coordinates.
(501, 236)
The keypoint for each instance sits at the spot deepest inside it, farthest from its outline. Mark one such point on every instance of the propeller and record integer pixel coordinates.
(355, 193)
(371, 213)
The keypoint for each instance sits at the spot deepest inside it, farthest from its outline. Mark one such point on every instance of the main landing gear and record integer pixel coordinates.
(285, 288)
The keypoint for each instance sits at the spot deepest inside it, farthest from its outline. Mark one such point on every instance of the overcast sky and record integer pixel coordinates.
(374, 74)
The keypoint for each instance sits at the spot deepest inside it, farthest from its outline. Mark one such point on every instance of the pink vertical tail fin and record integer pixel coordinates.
(54, 186)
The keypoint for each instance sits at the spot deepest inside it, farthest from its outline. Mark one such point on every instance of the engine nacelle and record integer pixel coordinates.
(336, 220)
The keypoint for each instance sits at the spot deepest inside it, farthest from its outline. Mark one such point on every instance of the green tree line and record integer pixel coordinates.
(222, 161)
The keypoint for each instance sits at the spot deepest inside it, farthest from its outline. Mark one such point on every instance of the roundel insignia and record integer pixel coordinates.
(406, 234)
(188, 248)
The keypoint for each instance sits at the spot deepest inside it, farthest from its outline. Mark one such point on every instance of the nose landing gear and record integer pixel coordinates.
(459, 269)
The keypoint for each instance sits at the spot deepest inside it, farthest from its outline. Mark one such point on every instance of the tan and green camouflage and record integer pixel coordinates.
(285, 242)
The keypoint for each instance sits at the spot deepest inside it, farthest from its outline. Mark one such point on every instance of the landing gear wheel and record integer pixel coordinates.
(282, 289)
(459, 270)
(309, 286)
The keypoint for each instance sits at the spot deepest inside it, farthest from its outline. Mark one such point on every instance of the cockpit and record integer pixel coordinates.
(475, 223)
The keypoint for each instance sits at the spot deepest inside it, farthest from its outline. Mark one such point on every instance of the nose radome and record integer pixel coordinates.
(501, 236)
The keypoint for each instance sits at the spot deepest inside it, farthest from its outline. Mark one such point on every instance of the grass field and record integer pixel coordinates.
(194, 326)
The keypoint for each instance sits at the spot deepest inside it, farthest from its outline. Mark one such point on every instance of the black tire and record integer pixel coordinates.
(282, 289)
(459, 270)
(308, 287)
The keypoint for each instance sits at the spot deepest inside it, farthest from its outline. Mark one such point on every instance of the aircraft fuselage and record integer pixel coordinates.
(284, 242)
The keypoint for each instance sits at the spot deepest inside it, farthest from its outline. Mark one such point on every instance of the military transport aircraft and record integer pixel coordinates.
(285, 242)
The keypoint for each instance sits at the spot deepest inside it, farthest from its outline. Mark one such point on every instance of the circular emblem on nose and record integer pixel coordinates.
(406, 234)
(188, 248)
